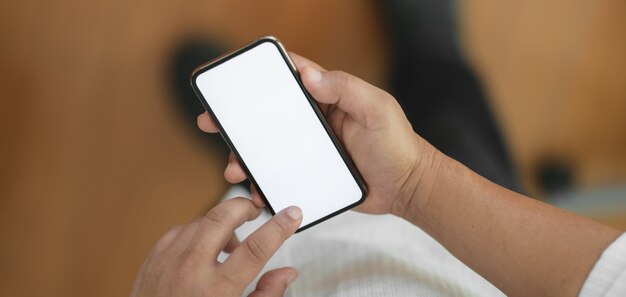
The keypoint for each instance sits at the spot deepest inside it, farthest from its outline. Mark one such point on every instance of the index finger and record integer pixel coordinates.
(216, 228)
(248, 259)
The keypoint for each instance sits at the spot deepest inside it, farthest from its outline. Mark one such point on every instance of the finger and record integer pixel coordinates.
(234, 173)
(206, 123)
(274, 282)
(363, 102)
(256, 197)
(161, 245)
(232, 244)
(234, 241)
(249, 258)
(216, 227)
(302, 62)
(182, 239)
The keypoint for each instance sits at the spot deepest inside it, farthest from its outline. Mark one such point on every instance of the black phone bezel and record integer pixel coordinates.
(344, 156)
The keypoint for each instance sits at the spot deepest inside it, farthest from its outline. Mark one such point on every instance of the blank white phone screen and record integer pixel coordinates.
(277, 134)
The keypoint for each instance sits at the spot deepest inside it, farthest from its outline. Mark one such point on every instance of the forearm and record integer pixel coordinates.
(521, 245)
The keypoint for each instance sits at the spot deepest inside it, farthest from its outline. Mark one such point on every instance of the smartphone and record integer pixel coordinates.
(277, 132)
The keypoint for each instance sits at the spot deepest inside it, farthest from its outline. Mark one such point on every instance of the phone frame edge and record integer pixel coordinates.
(320, 115)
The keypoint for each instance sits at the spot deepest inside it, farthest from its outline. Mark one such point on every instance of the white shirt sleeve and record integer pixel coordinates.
(608, 276)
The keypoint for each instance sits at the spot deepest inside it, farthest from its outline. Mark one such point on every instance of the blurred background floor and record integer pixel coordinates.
(97, 162)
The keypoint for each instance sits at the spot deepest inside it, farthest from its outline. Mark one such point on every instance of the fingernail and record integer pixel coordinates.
(294, 212)
(315, 75)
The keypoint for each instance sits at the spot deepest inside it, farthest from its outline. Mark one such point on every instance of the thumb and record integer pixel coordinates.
(363, 102)
(274, 282)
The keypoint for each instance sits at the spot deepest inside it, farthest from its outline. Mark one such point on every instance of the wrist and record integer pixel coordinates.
(417, 191)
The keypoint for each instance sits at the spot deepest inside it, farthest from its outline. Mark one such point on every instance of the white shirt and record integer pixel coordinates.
(356, 254)
(608, 276)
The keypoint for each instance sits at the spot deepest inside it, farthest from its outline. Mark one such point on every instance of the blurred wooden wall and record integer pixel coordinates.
(97, 163)
(556, 73)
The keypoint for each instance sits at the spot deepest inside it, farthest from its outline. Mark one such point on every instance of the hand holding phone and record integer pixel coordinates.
(370, 124)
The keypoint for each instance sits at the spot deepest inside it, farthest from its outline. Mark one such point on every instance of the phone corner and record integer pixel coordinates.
(364, 194)
(269, 38)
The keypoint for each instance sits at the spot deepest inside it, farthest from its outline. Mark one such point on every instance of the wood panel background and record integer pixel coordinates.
(96, 162)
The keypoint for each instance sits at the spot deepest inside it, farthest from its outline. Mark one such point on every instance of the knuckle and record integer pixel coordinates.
(154, 269)
(343, 78)
(257, 249)
(282, 228)
(217, 215)
(166, 239)
(250, 208)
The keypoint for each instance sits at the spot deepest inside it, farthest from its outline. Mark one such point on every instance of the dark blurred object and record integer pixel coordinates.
(186, 57)
(441, 96)
(554, 176)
